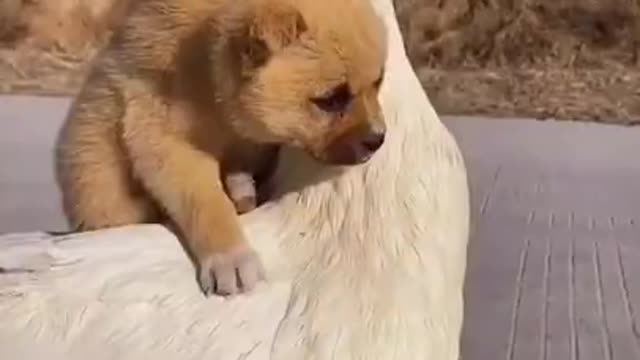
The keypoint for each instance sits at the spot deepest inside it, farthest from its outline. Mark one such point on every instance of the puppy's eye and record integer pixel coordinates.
(336, 101)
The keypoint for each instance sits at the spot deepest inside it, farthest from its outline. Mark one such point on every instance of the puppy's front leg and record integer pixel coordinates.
(186, 182)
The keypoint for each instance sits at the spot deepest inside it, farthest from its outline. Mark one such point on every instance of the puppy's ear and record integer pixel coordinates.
(271, 29)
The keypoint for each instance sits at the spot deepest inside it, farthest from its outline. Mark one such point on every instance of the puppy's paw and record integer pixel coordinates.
(241, 190)
(244, 204)
(234, 271)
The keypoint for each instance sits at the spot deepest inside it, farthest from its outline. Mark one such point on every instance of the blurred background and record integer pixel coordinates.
(563, 59)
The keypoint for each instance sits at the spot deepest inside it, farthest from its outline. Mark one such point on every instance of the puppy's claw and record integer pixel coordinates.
(205, 281)
(235, 271)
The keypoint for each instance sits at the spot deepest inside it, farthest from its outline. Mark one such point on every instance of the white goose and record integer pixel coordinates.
(366, 264)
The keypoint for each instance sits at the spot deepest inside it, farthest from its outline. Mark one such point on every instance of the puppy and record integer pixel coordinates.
(190, 101)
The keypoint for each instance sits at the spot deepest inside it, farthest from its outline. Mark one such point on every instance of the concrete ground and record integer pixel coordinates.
(556, 234)
(555, 252)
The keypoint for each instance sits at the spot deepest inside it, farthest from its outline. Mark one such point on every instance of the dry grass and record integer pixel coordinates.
(541, 58)
(606, 96)
(46, 45)
(500, 33)
(74, 26)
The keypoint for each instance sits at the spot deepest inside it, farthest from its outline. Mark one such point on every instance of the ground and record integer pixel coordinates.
(566, 59)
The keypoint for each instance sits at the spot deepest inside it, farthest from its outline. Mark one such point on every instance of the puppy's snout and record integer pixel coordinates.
(355, 148)
(372, 141)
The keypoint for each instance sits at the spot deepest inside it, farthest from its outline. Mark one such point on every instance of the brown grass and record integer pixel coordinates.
(75, 26)
(497, 33)
(541, 58)
(46, 45)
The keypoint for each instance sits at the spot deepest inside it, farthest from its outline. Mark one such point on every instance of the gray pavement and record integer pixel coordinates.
(556, 239)
(29, 197)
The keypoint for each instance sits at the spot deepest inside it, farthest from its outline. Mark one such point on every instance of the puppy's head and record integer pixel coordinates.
(312, 70)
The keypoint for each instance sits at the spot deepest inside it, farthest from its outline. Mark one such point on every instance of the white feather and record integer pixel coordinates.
(364, 264)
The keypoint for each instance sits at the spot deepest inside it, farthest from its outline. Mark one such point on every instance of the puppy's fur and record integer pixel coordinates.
(192, 95)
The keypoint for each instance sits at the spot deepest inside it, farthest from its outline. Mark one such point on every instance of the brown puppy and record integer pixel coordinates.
(191, 95)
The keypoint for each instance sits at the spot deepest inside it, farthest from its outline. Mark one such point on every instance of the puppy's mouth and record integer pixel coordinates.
(347, 156)
(348, 153)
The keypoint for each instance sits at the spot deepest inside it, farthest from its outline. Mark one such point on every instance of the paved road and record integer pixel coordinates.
(556, 249)
(556, 228)
(28, 127)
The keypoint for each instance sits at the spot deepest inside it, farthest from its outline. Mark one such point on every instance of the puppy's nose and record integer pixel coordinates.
(373, 141)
